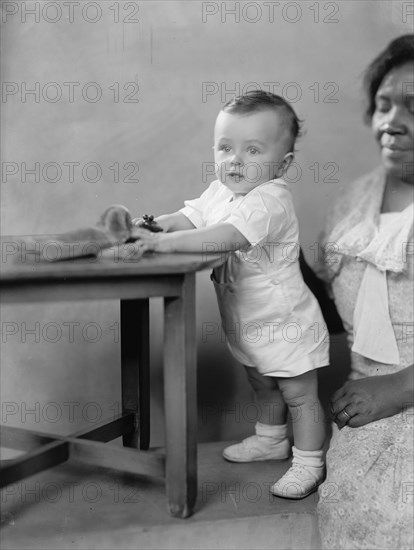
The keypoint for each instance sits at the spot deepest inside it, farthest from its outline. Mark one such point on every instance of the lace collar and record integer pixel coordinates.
(356, 233)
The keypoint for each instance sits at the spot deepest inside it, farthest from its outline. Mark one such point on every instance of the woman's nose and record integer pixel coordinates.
(394, 122)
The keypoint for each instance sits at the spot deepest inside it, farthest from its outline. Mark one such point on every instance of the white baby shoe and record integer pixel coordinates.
(258, 447)
(303, 477)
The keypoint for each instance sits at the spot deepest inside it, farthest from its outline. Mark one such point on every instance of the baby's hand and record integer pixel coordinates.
(147, 222)
(155, 242)
(146, 240)
(138, 221)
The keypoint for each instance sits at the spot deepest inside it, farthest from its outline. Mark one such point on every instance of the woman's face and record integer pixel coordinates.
(393, 122)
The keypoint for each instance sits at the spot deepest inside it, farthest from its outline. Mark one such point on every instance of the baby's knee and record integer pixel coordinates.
(299, 390)
(260, 382)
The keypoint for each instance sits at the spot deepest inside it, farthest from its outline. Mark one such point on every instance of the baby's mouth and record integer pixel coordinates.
(235, 175)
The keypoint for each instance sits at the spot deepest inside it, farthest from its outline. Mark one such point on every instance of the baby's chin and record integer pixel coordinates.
(241, 187)
(233, 181)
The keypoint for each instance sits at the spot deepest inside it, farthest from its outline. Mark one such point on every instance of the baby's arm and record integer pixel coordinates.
(174, 222)
(223, 236)
(168, 222)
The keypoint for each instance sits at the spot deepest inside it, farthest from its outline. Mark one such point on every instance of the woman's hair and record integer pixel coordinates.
(398, 52)
(259, 100)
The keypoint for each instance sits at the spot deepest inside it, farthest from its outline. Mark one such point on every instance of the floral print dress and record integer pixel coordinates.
(367, 498)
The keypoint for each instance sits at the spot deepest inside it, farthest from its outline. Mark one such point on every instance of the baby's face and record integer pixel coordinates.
(250, 149)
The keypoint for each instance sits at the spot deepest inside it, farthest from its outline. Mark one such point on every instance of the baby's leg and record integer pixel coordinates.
(270, 441)
(268, 397)
(308, 421)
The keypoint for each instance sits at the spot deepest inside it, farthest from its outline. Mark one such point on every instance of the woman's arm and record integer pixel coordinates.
(222, 237)
(373, 398)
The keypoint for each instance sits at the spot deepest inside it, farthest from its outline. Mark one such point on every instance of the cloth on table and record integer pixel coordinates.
(114, 228)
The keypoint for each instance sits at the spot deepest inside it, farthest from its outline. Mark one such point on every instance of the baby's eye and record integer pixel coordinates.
(225, 148)
(253, 150)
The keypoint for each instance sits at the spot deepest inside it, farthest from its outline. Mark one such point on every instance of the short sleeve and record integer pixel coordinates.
(195, 209)
(260, 217)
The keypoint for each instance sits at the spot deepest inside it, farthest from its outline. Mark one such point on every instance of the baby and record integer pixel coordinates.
(268, 313)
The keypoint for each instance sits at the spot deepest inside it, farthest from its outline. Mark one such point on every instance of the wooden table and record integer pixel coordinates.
(24, 278)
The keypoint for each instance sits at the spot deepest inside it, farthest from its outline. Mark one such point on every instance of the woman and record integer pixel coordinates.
(367, 498)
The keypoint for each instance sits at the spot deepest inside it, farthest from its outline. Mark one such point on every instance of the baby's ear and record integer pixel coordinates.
(287, 160)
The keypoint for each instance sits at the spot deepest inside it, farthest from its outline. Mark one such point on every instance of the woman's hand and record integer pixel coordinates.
(360, 402)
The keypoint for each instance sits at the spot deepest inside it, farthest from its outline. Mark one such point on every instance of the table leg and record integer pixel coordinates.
(135, 370)
(180, 376)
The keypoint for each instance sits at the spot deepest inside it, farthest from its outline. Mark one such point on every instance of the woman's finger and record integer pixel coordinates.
(338, 394)
(342, 418)
(339, 404)
(351, 409)
(343, 411)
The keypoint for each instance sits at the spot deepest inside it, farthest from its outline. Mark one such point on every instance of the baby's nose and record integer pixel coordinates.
(236, 159)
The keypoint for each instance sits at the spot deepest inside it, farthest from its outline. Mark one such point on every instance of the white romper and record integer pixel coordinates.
(270, 318)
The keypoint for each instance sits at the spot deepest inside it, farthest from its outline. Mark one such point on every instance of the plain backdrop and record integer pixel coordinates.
(114, 102)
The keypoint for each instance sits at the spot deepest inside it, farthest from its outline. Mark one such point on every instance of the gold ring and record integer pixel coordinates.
(346, 414)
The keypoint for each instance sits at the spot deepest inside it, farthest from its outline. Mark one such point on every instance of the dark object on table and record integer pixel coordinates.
(150, 224)
(317, 286)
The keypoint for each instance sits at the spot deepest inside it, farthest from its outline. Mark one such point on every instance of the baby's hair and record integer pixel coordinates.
(259, 100)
